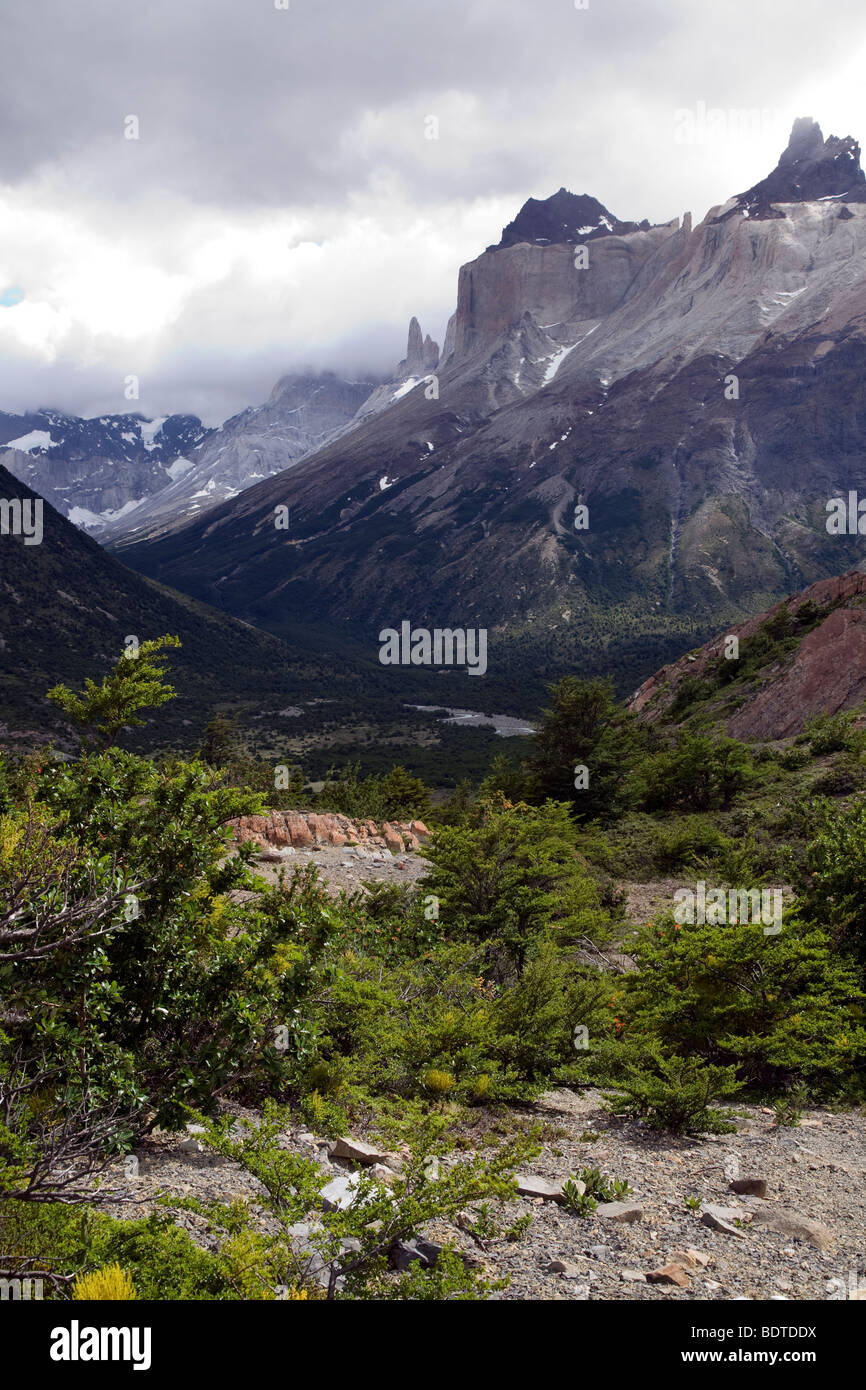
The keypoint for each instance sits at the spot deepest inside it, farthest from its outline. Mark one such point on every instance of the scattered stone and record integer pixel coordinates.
(619, 1211)
(720, 1219)
(749, 1187)
(384, 1174)
(600, 1252)
(357, 1151)
(790, 1223)
(691, 1259)
(404, 1253)
(340, 1193)
(539, 1189)
(632, 1276)
(671, 1274)
(563, 1267)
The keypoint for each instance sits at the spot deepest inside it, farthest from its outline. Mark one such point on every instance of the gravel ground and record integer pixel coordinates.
(344, 869)
(816, 1171)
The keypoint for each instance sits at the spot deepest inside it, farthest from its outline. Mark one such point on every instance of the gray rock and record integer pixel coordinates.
(797, 1227)
(404, 1253)
(340, 1193)
(632, 1276)
(619, 1211)
(357, 1151)
(718, 1219)
(530, 1185)
(601, 1252)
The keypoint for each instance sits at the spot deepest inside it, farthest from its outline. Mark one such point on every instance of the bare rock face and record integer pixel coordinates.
(302, 829)
(422, 354)
(541, 280)
(827, 673)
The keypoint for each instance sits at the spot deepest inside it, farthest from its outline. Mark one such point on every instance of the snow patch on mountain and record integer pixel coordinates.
(36, 439)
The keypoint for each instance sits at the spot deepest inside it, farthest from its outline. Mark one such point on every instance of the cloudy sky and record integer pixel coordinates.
(284, 204)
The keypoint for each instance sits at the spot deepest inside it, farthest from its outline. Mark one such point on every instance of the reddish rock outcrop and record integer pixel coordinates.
(826, 674)
(302, 829)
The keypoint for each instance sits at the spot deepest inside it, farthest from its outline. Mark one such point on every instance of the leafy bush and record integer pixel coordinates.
(111, 1283)
(780, 1007)
(698, 774)
(684, 840)
(512, 875)
(395, 796)
(829, 733)
(832, 878)
(675, 1093)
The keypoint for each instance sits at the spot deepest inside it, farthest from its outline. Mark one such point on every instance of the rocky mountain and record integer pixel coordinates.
(98, 470)
(565, 218)
(810, 168)
(302, 413)
(627, 442)
(422, 358)
(805, 656)
(121, 474)
(67, 608)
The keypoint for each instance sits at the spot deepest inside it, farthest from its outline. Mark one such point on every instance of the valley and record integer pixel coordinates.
(433, 799)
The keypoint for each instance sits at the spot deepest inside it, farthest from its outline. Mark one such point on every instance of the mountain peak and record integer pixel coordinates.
(809, 169)
(422, 354)
(563, 218)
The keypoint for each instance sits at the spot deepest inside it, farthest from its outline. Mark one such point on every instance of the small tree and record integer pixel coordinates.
(584, 727)
(135, 683)
(513, 875)
(218, 742)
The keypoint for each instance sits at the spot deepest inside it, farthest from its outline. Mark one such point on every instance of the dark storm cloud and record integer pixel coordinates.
(267, 132)
(239, 101)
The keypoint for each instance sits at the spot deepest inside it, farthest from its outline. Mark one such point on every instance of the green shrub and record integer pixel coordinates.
(683, 841)
(829, 733)
(513, 875)
(832, 878)
(780, 1007)
(675, 1094)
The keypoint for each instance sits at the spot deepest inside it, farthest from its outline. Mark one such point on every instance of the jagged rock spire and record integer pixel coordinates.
(810, 168)
(422, 354)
